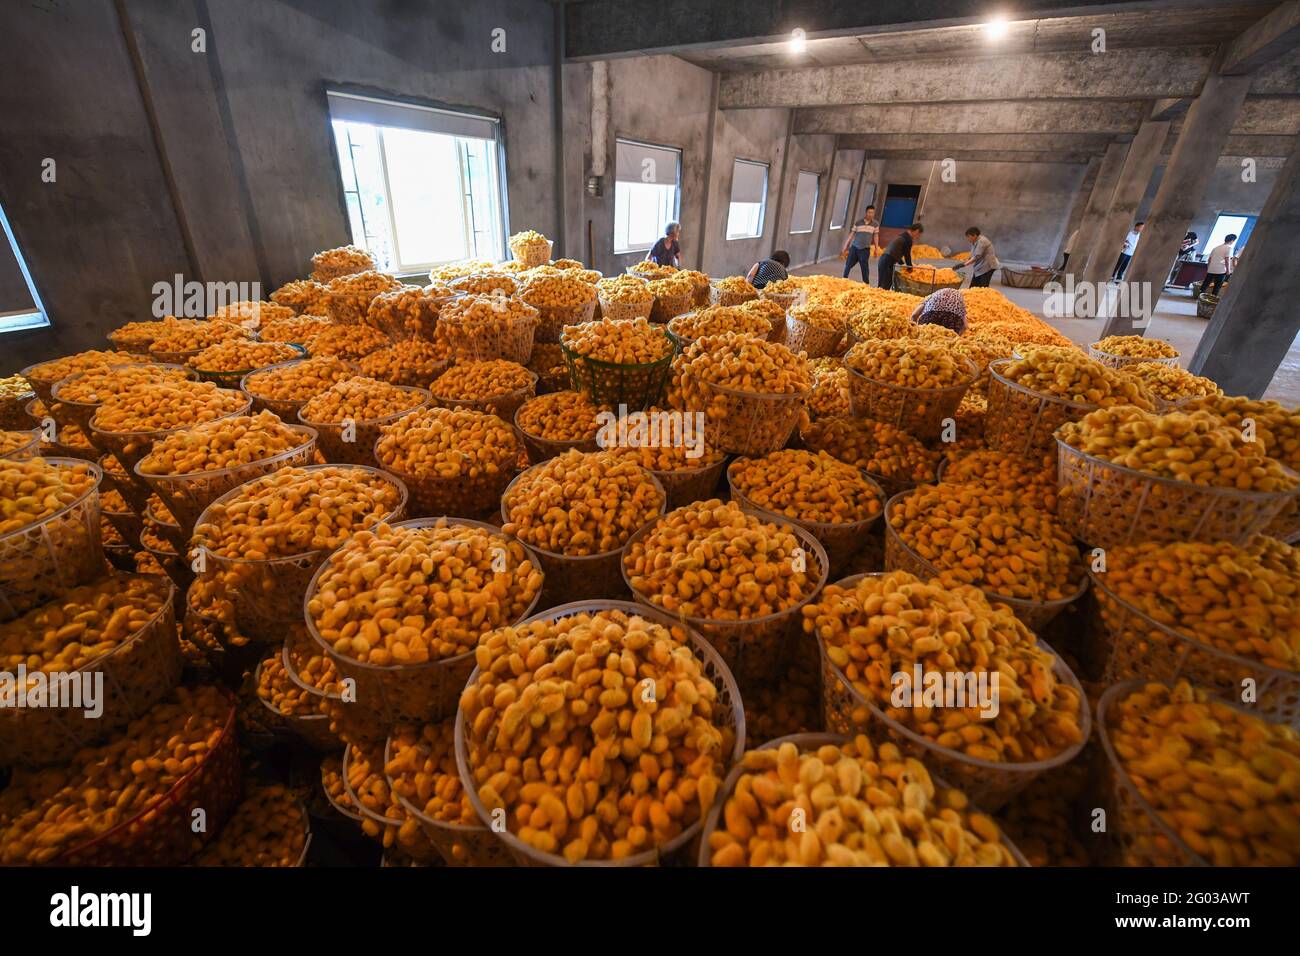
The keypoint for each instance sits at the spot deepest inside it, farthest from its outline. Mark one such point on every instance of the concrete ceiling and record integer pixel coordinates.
(1201, 26)
(879, 79)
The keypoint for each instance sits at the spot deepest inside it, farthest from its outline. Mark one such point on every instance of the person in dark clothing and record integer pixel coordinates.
(667, 251)
(899, 250)
(769, 270)
(857, 248)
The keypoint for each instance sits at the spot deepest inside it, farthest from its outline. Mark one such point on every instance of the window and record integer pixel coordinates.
(1226, 225)
(805, 202)
(20, 306)
(840, 207)
(748, 199)
(423, 185)
(647, 193)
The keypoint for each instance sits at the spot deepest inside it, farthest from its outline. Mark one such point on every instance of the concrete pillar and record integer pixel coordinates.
(1094, 213)
(1257, 318)
(1077, 207)
(1143, 154)
(1182, 188)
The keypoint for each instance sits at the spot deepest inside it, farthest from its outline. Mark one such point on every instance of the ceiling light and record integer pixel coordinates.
(797, 40)
(997, 27)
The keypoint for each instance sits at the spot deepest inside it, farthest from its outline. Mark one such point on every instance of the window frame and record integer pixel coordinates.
(848, 203)
(794, 202)
(496, 147)
(677, 192)
(11, 321)
(762, 203)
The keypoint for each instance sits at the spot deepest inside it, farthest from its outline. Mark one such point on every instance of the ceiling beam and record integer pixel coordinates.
(1263, 41)
(595, 29)
(979, 156)
(1244, 145)
(975, 142)
(1119, 74)
(1076, 116)
(1269, 116)
(1261, 162)
(1168, 109)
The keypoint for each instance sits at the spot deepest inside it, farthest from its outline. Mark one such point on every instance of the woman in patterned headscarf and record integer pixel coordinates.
(945, 307)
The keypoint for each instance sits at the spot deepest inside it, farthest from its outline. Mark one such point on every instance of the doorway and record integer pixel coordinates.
(900, 205)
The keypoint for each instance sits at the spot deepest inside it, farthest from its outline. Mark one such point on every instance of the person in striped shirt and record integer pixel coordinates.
(770, 269)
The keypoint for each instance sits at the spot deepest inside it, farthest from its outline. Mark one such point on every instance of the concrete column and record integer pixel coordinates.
(1143, 154)
(1081, 196)
(1257, 318)
(1094, 213)
(1182, 188)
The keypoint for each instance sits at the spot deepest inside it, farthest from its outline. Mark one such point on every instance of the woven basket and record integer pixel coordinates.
(920, 287)
(1028, 278)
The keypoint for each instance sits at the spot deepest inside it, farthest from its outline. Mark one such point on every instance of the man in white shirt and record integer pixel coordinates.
(1130, 246)
(983, 261)
(1220, 264)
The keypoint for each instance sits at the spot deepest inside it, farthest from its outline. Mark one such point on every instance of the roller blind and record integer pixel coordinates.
(643, 163)
(840, 209)
(355, 108)
(805, 202)
(748, 181)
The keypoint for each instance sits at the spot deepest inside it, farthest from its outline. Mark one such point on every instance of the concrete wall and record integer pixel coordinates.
(666, 102)
(288, 53)
(1225, 193)
(242, 130)
(813, 153)
(1023, 207)
(743, 134)
(104, 231)
(847, 164)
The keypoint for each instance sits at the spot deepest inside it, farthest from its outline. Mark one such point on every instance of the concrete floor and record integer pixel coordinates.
(1174, 320)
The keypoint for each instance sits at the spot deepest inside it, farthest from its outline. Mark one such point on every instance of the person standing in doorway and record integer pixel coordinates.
(1130, 247)
(667, 251)
(772, 269)
(983, 260)
(1220, 264)
(899, 250)
(857, 247)
(1069, 247)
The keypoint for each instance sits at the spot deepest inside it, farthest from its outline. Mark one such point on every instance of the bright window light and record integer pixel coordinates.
(997, 27)
(1223, 227)
(417, 196)
(748, 200)
(647, 193)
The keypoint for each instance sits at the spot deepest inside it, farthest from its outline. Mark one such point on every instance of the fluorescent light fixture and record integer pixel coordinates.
(798, 40)
(996, 27)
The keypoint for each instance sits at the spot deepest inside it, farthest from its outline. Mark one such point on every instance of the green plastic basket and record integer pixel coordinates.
(613, 383)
